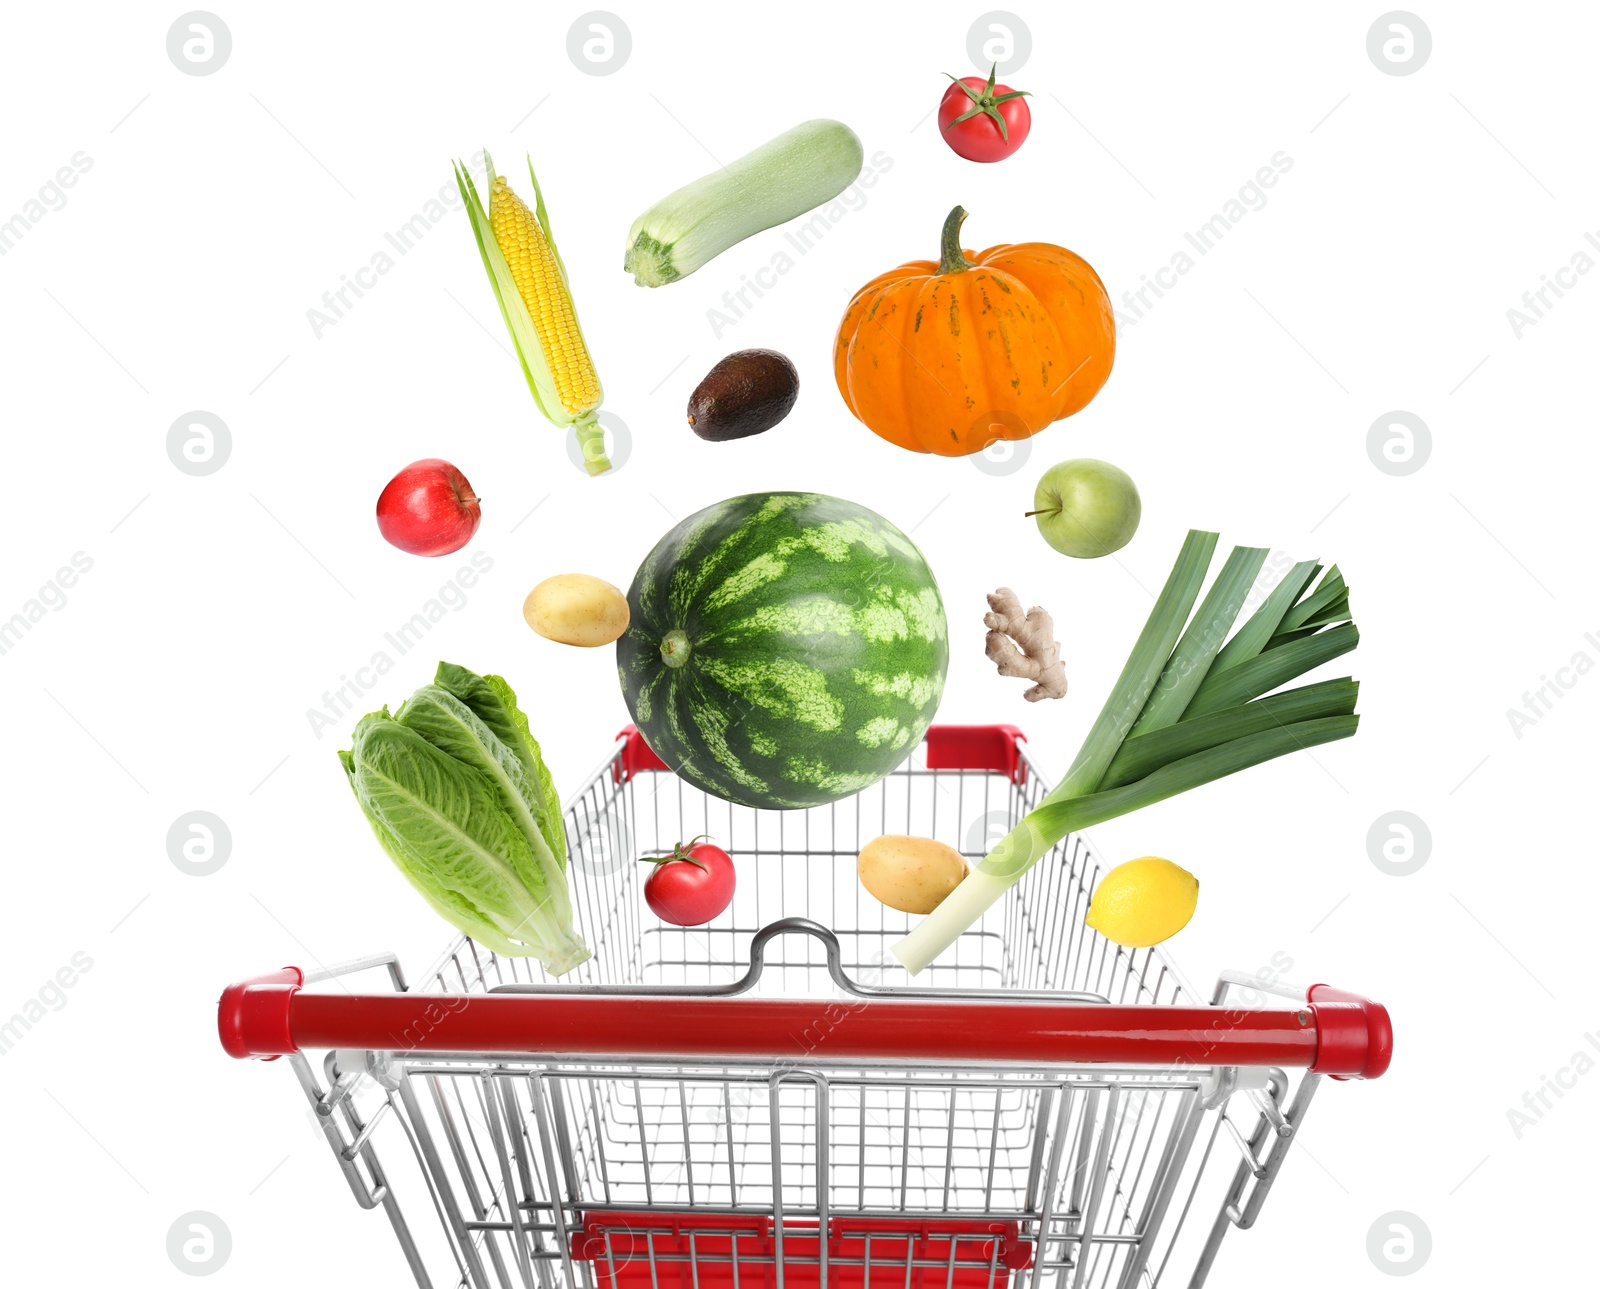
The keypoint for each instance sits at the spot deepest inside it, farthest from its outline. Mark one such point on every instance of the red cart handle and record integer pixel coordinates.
(253, 1015)
(1335, 1033)
(1357, 1040)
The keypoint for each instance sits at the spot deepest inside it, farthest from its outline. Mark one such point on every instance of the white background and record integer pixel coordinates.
(178, 276)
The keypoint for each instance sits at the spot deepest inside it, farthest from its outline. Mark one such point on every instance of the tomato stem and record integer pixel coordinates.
(951, 260)
(659, 860)
(680, 851)
(986, 103)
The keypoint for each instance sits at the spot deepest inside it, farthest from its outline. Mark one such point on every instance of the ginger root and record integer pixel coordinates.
(1024, 644)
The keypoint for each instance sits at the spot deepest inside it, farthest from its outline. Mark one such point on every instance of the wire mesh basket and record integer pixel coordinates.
(768, 1101)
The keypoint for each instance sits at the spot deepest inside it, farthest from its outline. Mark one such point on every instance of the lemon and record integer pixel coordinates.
(1143, 902)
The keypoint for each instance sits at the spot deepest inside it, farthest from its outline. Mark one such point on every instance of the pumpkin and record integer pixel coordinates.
(950, 357)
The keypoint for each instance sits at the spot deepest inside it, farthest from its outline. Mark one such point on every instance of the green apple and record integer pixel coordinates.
(1086, 508)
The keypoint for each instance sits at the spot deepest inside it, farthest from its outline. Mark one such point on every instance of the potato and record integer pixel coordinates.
(576, 609)
(911, 874)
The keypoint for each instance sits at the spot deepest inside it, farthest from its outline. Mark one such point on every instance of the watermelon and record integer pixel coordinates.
(784, 649)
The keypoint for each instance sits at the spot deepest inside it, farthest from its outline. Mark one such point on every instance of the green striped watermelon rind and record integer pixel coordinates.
(816, 649)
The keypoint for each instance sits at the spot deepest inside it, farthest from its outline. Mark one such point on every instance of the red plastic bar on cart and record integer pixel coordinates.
(636, 756)
(978, 747)
(669, 1250)
(1335, 1033)
(950, 747)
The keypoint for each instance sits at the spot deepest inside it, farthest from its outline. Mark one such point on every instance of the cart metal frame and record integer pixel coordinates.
(764, 1102)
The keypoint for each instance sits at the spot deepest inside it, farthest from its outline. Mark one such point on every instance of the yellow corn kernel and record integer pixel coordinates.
(544, 292)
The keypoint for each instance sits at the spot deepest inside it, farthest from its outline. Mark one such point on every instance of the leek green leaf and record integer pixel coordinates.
(1275, 667)
(1196, 652)
(1250, 639)
(1150, 655)
(1142, 753)
(1057, 819)
(1329, 591)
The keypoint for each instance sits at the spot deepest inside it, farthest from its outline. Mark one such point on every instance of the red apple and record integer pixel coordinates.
(429, 508)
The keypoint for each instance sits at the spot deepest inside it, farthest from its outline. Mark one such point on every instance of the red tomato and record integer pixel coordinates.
(982, 121)
(690, 886)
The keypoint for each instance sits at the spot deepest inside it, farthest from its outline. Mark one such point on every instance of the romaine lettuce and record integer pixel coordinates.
(460, 798)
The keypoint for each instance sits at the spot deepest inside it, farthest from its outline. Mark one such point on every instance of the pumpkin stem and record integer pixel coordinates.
(951, 260)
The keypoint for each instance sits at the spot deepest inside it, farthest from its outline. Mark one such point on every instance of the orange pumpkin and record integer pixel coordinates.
(951, 357)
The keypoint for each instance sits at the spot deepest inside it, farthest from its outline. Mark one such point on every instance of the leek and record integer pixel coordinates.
(1191, 706)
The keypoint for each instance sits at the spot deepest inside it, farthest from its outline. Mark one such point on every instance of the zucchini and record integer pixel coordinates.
(794, 173)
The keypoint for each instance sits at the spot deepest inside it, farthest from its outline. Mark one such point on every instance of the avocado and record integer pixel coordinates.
(747, 393)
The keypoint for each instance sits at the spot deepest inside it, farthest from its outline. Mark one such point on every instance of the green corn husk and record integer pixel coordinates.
(520, 325)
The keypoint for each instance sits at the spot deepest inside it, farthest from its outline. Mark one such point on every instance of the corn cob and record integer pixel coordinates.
(543, 288)
(530, 282)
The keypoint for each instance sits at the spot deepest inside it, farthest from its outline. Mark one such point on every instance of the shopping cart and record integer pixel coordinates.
(758, 1104)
